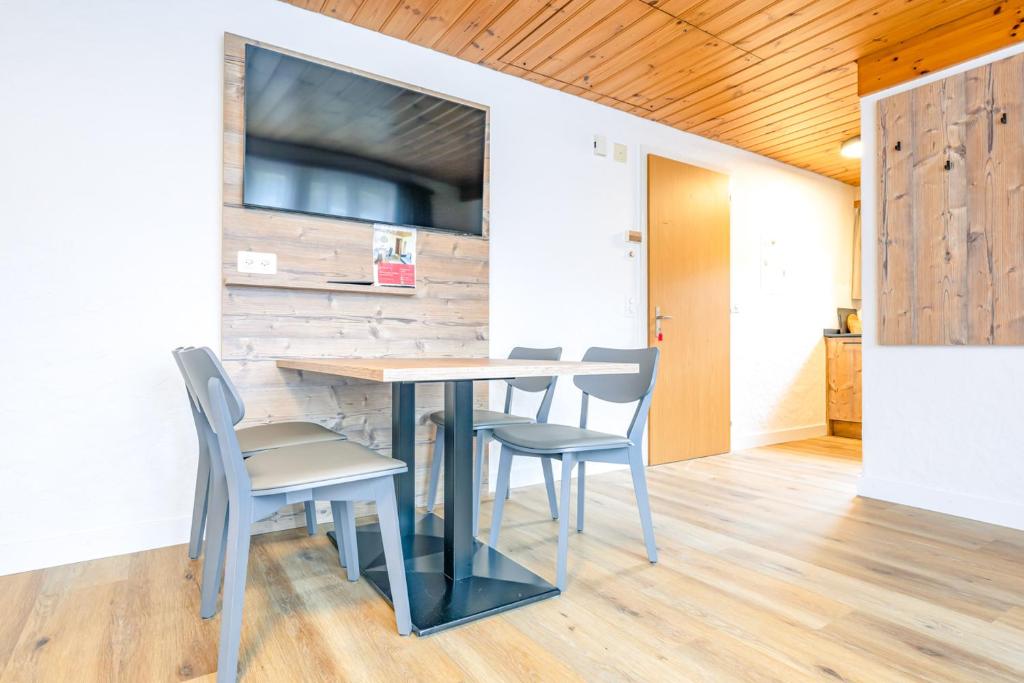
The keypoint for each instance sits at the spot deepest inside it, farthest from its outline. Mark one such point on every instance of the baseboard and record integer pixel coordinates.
(39, 553)
(778, 436)
(999, 512)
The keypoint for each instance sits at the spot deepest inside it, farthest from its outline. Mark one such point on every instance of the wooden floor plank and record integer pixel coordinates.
(771, 569)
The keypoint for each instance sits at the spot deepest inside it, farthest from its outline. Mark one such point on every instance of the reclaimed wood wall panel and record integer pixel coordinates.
(895, 253)
(1007, 78)
(310, 249)
(951, 210)
(447, 315)
(979, 192)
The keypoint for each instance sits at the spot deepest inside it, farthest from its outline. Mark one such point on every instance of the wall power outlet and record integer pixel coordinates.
(260, 262)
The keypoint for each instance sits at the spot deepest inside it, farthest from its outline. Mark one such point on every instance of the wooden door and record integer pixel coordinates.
(688, 280)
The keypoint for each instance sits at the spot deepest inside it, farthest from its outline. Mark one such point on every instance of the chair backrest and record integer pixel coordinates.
(198, 365)
(197, 416)
(223, 409)
(621, 388)
(534, 384)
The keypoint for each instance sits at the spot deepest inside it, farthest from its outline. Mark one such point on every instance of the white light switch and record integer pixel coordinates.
(600, 145)
(257, 262)
(619, 153)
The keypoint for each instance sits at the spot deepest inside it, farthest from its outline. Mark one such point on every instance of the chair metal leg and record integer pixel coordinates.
(549, 484)
(435, 468)
(504, 472)
(311, 518)
(216, 539)
(391, 538)
(234, 592)
(580, 487)
(482, 437)
(636, 466)
(343, 512)
(568, 460)
(199, 505)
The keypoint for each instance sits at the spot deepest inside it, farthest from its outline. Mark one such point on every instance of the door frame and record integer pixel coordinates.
(643, 263)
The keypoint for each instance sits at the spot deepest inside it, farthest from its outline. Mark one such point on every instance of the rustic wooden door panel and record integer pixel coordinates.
(688, 278)
(951, 210)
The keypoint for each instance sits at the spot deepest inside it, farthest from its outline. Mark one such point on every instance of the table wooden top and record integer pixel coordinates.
(442, 369)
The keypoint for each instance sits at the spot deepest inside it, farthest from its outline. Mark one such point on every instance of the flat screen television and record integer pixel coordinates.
(325, 141)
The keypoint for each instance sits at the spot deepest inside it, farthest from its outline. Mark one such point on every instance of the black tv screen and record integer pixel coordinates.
(325, 141)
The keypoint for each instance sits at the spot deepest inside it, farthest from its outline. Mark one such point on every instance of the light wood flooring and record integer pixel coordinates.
(771, 569)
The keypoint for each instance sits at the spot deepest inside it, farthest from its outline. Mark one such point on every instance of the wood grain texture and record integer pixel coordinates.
(776, 77)
(969, 36)
(311, 250)
(1007, 142)
(842, 380)
(445, 369)
(771, 569)
(688, 278)
(446, 314)
(895, 246)
(951, 210)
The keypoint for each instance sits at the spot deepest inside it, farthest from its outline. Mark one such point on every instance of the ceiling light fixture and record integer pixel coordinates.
(851, 148)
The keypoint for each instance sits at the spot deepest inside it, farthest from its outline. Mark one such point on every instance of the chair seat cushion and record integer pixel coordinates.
(557, 438)
(485, 419)
(316, 464)
(262, 437)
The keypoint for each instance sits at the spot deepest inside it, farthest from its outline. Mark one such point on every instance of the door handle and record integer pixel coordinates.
(658, 317)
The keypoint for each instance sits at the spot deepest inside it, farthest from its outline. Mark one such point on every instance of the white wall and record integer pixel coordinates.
(110, 211)
(942, 424)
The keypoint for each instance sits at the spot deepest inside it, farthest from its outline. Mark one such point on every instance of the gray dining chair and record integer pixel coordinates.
(578, 446)
(486, 421)
(214, 506)
(250, 440)
(341, 472)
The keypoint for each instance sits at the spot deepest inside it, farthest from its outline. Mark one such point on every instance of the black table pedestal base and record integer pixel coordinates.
(437, 603)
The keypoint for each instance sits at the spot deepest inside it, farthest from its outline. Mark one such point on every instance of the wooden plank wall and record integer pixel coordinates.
(951, 210)
(447, 316)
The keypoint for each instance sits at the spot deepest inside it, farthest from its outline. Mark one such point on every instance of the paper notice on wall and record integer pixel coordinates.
(394, 256)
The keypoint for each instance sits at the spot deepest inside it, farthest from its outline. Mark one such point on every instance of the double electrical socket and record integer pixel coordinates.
(260, 262)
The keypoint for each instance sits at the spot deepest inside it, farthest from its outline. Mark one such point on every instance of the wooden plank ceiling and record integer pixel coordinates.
(776, 77)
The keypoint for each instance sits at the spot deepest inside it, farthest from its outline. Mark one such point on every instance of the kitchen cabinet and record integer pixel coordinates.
(843, 386)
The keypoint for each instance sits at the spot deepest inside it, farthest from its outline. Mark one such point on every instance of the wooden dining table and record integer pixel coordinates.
(453, 578)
